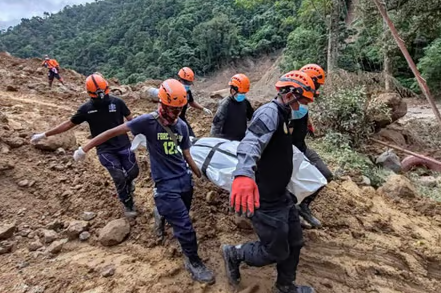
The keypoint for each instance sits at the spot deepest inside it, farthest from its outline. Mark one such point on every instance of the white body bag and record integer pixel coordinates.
(217, 159)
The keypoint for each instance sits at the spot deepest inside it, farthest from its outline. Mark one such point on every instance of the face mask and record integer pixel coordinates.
(300, 113)
(187, 87)
(98, 101)
(240, 97)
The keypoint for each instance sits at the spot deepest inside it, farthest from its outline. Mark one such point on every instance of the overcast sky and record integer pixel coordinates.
(12, 11)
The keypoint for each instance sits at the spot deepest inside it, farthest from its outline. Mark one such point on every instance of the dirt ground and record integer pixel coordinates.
(369, 242)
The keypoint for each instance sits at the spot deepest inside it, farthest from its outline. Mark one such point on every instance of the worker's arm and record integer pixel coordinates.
(219, 119)
(250, 110)
(105, 136)
(189, 159)
(129, 117)
(63, 127)
(263, 125)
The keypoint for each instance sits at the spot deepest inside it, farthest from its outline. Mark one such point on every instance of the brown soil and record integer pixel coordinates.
(369, 243)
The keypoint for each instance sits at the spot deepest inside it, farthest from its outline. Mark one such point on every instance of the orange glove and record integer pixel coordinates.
(244, 196)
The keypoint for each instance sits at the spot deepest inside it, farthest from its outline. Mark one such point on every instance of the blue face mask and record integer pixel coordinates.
(187, 87)
(240, 97)
(300, 113)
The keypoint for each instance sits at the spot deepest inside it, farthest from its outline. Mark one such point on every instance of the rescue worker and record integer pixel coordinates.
(169, 148)
(54, 70)
(300, 125)
(103, 112)
(186, 77)
(230, 121)
(259, 188)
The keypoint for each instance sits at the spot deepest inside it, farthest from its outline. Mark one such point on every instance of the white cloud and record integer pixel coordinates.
(12, 11)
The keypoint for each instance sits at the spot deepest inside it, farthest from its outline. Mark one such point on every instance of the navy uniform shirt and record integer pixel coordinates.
(166, 162)
(104, 117)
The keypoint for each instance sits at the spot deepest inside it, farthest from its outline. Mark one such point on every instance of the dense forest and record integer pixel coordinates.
(138, 39)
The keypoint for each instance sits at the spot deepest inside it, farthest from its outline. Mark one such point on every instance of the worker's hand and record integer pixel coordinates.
(37, 137)
(207, 111)
(79, 155)
(139, 140)
(198, 173)
(311, 131)
(244, 196)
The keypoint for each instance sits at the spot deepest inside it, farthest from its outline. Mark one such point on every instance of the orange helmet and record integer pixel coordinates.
(172, 93)
(315, 72)
(241, 82)
(95, 84)
(298, 80)
(186, 74)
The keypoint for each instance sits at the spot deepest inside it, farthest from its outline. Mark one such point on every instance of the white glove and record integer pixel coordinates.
(79, 155)
(207, 111)
(139, 139)
(37, 137)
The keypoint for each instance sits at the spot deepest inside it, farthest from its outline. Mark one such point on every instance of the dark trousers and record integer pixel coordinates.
(173, 200)
(315, 160)
(280, 240)
(123, 168)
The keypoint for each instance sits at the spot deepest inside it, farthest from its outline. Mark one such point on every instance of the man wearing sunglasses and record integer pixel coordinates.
(234, 112)
(259, 188)
(103, 112)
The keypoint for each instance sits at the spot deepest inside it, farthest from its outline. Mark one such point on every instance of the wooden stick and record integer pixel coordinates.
(406, 151)
(402, 46)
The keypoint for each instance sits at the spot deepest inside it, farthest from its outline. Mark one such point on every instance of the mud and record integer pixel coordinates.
(369, 242)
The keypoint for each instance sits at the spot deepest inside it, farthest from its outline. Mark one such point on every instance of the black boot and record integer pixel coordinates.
(291, 288)
(159, 224)
(129, 209)
(232, 263)
(306, 214)
(199, 271)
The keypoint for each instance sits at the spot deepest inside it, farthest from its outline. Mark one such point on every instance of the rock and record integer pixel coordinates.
(67, 194)
(33, 246)
(108, 271)
(14, 142)
(24, 232)
(6, 247)
(365, 181)
(84, 236)
(3, 117)
(38, 289)
(55, 225)
(220, 94)
(7, 230)
(397, 106)
(22, 265)
(389, 160)
(211, 197)
(23, 183)
(39, 70)
(114, 232)
(56, 246)
(11, 88)
(76, 228)
(49, 236)
(398, 186)
(5, 165)
(60, 151)
(65, 140)
(392, 136)
(428, 181)
(243, 223)
(88, 216)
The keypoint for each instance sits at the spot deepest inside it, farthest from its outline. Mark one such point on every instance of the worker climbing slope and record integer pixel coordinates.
(259, 188)
(168, 143)
(230, 121)
(54, 70)
(103, 112)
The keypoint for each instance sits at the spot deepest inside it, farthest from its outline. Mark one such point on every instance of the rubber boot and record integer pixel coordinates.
(232, 263)
(159, 224)
(199, 272)
(307, 215)
(291, 288)
(129, 209)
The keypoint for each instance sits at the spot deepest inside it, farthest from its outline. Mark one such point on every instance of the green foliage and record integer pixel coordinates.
(430, 65)
(348, 112)
(138, 39)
